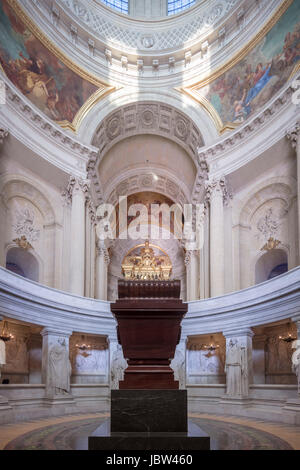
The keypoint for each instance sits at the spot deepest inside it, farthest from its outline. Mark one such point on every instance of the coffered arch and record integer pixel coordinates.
(148, 118)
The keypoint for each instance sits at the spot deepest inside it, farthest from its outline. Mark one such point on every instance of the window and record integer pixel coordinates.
(120, 5)
(176, 6)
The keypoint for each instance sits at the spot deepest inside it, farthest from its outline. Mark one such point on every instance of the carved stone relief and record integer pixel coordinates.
(204, 366)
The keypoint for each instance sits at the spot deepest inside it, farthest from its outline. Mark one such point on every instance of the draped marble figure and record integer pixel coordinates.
(118, 365)
(59, 368)
(2, 353)
(296, 365)
(234, 368)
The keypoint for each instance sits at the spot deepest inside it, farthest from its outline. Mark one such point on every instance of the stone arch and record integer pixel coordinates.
(144, 118)
(21, 194)
(267, 262)
(271, 199)
(25, 263)
(121, 98)
(18, 186)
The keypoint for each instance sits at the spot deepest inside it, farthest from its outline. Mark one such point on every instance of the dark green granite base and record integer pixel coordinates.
(194, 439)
(149, 411)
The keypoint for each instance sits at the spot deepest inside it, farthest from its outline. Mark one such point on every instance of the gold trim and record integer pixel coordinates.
(51, 47)
(143, 244)
(220, 126)
(295, 70)
(103, 88)
(193, 90)
(247, 48)
(85, 109)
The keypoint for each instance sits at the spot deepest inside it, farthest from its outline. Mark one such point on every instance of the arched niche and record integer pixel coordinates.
(268, 265)
(23, 263)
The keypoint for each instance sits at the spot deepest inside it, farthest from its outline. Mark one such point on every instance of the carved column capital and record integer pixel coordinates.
(75, 185)
(293, 134)
(3, 134)
(101, 250)
(217, 187)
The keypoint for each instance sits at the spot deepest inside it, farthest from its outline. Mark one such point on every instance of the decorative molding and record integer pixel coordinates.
(76, 185)
(143, 118)
(194, 90)
(126, 35)
(146, 182)
(102, 251)
(293, 134)
(103, 88)
(24, 226)
(134, 37)
(62, 140)
(218, 186)
(28, 22)
(232, 152)
(22, 242)
(3, 135)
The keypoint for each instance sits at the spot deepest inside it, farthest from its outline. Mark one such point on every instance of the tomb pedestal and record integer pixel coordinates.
(149, 412)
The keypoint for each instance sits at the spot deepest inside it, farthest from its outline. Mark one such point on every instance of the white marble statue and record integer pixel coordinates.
(296, 362)
(234, 369)
(178, 365)
(2, 353)
(118, 365)
(59, 368)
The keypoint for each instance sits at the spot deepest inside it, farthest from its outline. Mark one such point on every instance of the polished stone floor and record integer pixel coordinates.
(227, 433)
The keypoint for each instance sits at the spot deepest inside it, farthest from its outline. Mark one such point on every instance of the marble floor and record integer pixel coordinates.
(71, 432)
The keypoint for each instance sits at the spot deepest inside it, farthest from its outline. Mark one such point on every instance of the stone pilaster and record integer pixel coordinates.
(102, 262)
(216, 195)
(192, 274)
(294, 136)
(238, 364)
(78, 190)
(56, 365)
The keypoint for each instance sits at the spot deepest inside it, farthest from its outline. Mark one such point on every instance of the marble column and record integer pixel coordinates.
(102, 262)
(294, 137)
(216, 192)
(79, 190)
(192, 281)
(56, 365)
(238, 364)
